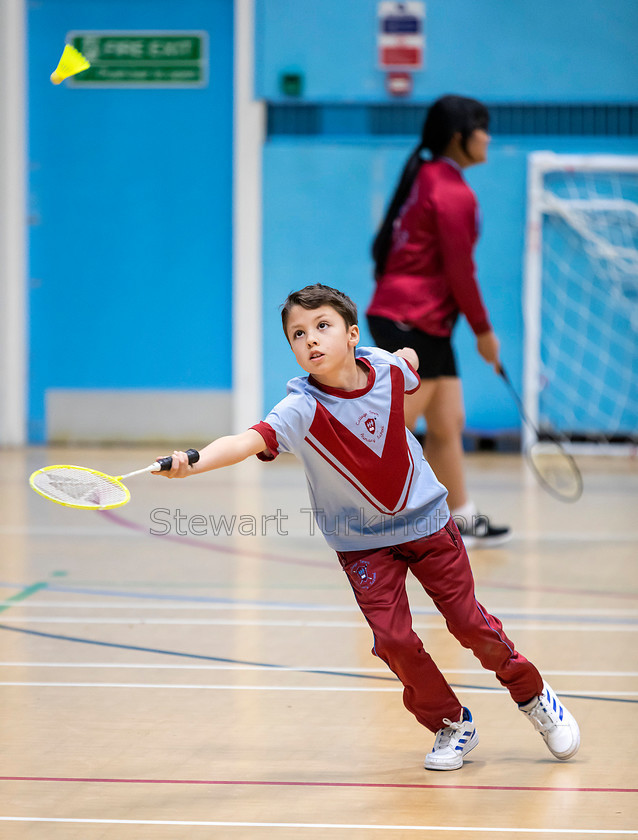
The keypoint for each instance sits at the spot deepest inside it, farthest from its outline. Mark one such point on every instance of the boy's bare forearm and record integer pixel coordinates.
(229, 450)
(222, 452)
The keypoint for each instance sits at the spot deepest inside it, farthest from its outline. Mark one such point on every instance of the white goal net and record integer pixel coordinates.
(581, 297)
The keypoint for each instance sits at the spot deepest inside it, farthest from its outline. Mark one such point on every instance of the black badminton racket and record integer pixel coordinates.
(554, 468)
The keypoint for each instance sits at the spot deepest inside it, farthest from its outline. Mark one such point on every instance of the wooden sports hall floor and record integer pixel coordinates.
(201, 685)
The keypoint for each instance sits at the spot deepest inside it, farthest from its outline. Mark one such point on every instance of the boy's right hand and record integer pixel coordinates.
(180, 467)
(222, 452)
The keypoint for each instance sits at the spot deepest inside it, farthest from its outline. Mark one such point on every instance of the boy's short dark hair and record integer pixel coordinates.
(312, 297)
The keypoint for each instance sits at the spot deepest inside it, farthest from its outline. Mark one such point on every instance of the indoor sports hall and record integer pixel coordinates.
(192, 662)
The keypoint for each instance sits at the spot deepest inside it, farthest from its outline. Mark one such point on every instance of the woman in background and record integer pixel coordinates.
(426, 276)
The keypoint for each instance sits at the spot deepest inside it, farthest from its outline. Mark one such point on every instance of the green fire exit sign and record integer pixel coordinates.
(142, 59)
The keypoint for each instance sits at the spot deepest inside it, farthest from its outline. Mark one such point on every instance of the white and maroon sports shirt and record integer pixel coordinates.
(369, 484)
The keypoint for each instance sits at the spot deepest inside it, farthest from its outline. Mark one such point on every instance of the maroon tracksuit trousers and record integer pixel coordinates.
(440, 563)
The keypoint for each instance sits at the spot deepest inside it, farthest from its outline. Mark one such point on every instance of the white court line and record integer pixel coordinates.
(519, 624)
(366, 827)
(357, 689)
(214, 687)
(159, 605)
(320, 669)
(215, 622)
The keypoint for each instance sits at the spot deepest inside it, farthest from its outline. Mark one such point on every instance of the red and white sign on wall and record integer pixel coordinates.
(401, 35)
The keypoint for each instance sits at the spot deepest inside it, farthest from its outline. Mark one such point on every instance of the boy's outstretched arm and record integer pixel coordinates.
(220, 453)
(409, 355)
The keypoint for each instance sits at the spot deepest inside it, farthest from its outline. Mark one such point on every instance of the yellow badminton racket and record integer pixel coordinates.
(86, 489)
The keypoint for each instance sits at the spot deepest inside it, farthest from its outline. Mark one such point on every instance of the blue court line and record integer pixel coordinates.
(198, 656)
(271, 665)
(204, 599)
(152, 596)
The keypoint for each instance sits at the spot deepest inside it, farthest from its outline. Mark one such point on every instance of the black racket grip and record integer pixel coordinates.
(167, 462)
(503, 373)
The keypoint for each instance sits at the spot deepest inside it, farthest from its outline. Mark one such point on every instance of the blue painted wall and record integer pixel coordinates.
(130, 191)
(324, 195)
(546, 50)
(130, 202)
(322, 203)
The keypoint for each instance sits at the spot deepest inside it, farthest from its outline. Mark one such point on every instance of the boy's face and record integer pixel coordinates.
(322, 343)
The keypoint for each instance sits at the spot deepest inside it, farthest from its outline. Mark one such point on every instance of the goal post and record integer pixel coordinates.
(580, 300)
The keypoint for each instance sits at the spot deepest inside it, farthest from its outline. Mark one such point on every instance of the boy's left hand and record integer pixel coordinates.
(410, 355)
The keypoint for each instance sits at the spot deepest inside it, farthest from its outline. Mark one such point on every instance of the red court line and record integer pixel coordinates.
(117, 519)
(240, 782)
(209, 546)
(556, 590)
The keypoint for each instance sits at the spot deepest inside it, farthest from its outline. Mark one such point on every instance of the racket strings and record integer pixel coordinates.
(77, 486)
(557, 469)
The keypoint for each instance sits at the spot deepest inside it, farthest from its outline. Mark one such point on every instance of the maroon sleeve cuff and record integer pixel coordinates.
(418, 385)
(270, 439)
(479, 327)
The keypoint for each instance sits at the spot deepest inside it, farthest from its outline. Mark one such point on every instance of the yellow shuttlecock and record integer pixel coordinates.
(71, 63)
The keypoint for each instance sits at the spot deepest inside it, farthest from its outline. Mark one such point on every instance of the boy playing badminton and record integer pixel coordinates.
(381, 508)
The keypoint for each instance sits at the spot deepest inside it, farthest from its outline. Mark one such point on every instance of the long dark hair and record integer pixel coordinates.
(444, 118)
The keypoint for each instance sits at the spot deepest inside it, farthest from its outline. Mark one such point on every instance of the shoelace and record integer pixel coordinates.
(444, 736)
(541, 716)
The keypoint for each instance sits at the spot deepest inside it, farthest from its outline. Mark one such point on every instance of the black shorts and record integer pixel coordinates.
(435, 352)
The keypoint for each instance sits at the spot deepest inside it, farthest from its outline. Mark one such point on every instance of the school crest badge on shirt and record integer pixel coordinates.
(370, 428)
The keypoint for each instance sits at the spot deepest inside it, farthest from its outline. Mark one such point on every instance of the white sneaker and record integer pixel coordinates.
(452, 743)
(557, 726)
